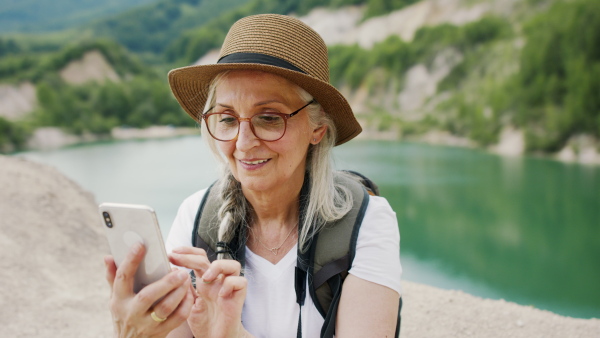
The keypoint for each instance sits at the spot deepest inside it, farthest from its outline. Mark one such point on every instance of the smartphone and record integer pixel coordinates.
(128, 224)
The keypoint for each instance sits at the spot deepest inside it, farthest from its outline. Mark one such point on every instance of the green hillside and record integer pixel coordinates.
(150, 29)
(140, 98)
(549, 87)
(40, 16)
(536, 69)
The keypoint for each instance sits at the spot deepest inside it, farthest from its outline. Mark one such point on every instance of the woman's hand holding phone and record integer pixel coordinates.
(155, 310)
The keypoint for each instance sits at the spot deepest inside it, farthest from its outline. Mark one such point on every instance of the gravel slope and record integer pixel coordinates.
(51, 272)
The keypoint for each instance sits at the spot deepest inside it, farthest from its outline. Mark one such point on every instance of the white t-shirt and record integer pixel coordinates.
(270, 309)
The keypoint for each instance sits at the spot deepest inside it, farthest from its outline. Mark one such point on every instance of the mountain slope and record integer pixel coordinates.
(488, 73)
(151, 28)
(41, 16)
(477, 73)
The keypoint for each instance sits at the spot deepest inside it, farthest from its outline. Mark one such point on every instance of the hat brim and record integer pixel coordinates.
(190, 88)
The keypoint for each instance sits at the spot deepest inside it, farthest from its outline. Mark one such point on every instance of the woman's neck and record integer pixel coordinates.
(273, 222)
(274, 212)
(278, 208)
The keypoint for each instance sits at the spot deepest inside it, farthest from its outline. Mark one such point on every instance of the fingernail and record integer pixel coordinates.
(208, 275)
(182, 275)
(137, 247)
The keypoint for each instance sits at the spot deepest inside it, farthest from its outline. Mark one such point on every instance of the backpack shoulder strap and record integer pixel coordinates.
(205, 233)
(328, 279)
(333, 253)
(371, 187)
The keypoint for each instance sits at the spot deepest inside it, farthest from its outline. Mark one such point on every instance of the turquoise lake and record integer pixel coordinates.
(526, 230)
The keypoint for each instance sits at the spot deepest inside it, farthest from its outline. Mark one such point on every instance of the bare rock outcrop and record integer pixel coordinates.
(52, 248)
(16, 101)
(93, 66)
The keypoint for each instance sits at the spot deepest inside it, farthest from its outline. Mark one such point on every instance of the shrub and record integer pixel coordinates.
(560, 74)
(13, 136)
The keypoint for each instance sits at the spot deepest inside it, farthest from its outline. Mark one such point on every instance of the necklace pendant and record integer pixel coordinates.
(274, 251)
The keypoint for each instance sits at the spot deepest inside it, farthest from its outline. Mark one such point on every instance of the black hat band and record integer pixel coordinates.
(260, 59)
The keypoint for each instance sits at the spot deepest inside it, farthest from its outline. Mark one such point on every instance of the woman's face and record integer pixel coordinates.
(258, 165)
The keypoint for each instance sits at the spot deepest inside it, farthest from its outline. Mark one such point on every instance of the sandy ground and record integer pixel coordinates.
(52, 276)
(430, 312)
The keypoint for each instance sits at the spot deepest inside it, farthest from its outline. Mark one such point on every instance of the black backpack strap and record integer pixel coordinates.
(304, 259)
(399, 318)
(335, 284)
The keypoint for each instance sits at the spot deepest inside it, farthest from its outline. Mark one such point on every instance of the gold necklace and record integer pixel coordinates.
(274, 250)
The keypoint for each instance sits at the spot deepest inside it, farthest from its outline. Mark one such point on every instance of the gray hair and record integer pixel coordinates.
(328, 201)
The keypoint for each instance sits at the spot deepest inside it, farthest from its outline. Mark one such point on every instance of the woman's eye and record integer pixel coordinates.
(227, 119)
(269, 118)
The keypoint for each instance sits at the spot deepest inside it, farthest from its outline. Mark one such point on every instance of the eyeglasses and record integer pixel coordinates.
(265, 126)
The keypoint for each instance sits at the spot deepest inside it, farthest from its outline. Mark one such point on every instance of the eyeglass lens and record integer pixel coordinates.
(267, 127)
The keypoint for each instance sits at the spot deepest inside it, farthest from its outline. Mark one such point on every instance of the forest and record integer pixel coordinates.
(552, 94)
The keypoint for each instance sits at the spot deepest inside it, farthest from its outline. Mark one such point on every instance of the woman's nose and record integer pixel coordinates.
(246, 138)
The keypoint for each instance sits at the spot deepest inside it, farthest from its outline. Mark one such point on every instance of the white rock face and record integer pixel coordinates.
(153, 132)
(421, 82)
(17, 101)
(337, 26)
(209, 58)
(343, 26)
(47, 138)
(511, 143)
(580, 148)
(92, 67)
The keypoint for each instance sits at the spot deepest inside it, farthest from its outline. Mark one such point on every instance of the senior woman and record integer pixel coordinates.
(271, 118)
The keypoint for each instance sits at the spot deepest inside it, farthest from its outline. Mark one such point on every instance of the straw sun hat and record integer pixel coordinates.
(277, 44)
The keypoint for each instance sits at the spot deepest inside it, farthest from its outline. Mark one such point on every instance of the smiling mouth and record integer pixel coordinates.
(254, 162)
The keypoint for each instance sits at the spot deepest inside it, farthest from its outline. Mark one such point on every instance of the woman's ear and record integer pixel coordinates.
(318, 134)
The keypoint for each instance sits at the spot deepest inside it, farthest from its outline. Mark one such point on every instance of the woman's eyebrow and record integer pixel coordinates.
(261, 103)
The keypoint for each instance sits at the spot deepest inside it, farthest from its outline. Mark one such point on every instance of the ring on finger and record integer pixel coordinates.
(156, 318)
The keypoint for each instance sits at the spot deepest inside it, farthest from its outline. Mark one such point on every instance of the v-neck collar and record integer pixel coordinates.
(272, 270)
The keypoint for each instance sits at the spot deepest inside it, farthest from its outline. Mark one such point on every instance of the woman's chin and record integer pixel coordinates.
(256, 185)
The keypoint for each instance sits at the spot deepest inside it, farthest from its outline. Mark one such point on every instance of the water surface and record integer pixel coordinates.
(523, 229)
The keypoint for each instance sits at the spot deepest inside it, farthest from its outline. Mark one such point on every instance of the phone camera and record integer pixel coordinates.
(107, 219)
